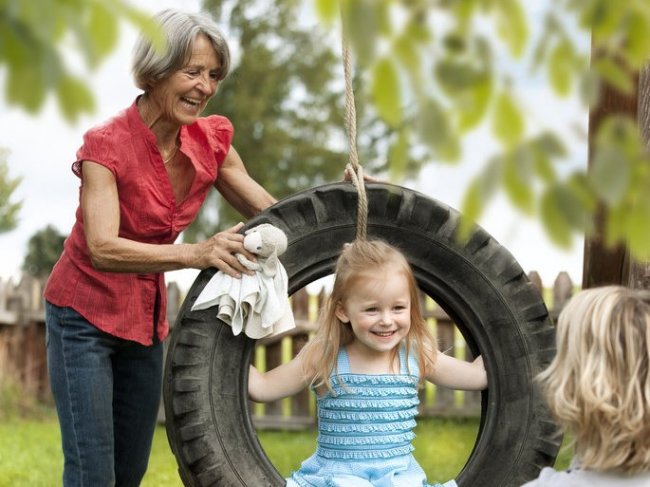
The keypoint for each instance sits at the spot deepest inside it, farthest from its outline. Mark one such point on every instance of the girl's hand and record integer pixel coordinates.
(458, 374)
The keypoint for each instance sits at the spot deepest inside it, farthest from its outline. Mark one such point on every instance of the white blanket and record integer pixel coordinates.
(258, 305)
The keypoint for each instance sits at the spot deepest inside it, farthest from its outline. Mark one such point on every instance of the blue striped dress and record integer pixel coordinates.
(365, 431)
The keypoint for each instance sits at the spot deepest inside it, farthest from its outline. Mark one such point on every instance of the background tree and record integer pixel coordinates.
(8, 208)
(433, 72)
(43, 250)
(285, 99)
(436, 73)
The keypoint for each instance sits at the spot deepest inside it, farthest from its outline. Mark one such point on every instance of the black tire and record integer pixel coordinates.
(478, 283)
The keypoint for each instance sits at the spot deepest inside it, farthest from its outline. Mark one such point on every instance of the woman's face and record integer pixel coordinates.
(183, 96)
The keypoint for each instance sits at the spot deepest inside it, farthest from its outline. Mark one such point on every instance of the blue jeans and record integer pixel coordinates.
(107, 393)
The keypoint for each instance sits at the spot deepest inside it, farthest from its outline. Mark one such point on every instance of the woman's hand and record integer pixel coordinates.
(220, 249)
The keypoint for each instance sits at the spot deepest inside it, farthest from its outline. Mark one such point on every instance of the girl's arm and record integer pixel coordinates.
(457, 374)
(282, 381)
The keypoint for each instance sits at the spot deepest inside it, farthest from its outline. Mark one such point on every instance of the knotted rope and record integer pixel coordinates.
(353, 167)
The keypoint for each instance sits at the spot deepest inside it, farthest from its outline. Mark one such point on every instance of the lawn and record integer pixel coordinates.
(30, 453)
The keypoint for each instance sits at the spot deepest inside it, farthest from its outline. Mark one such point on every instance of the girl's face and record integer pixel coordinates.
(183, 96)
(378, 308)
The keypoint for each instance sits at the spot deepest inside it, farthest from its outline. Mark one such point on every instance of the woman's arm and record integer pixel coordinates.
(112, 253)
(238, 188)
(457, 374)
(282, 381)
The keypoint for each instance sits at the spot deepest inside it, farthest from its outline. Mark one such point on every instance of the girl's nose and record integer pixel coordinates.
(386, 318)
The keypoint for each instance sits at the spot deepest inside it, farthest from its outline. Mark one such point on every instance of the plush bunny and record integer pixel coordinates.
(268, 243)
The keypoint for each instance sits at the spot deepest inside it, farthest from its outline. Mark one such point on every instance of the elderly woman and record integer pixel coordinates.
(144, 175)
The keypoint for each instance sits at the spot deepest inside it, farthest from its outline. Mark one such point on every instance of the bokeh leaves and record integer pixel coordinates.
(435, 71)
(33, 36)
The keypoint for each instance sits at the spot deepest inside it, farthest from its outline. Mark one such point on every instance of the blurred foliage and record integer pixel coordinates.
(33, 35)
(435, 71)
(427, 74)
(43, 250)
(8, 208)
(285, 99)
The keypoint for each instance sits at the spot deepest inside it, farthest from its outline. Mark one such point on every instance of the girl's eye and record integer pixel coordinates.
(371, 310)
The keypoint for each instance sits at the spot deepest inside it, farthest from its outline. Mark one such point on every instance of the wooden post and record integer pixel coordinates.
(300, 305)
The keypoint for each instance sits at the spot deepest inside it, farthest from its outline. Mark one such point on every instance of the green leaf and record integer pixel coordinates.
(328, 10)
(637, 45)
(360, 28)
(512, 26)
(433, 125)
(407, 53)
(471, 209)
(474, 103)
(589, 88)
(74, 98)
(101, 32)
(386, 91)
(398, 155)
(507, 122)
(26, 87)
(638, 229)
(561, 66)
(517, 181)
(611, 72)
(553, 217)
(609, 174)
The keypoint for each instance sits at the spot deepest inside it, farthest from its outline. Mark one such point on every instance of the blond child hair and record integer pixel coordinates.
(359, 260)
(598, 385)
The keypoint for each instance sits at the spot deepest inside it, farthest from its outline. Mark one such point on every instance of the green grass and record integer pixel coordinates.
(30, 452)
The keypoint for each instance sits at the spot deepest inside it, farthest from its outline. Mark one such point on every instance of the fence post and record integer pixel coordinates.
(444, 399)
(300, 305)
(562, 292)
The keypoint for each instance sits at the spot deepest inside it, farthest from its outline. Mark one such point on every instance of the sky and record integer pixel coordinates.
(42, 149)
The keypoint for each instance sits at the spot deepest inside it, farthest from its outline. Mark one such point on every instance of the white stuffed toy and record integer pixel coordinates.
(259, 304)
(268, 243)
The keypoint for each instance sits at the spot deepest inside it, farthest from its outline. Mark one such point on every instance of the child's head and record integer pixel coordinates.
(598, 385)
(368, 263)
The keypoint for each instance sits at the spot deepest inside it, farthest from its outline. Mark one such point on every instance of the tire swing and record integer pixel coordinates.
(477, 282)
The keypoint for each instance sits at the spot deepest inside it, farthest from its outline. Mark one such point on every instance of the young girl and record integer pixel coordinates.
(365, 362)
(598, 387)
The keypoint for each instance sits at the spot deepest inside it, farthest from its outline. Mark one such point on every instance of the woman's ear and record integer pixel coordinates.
(339, 311)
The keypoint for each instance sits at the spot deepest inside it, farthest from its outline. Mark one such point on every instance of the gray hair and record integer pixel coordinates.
(179, 29)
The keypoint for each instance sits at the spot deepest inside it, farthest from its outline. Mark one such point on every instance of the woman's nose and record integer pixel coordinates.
(206, 85)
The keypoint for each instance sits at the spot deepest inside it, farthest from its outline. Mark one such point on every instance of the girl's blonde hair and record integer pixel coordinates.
(362, 260)
(598, 385)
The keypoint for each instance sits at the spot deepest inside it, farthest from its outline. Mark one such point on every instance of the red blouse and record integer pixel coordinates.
(127, 305)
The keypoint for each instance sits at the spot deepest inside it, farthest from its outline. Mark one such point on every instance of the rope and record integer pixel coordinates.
(353, 167)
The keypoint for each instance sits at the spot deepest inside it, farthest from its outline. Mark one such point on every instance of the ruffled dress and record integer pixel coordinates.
(365, 431)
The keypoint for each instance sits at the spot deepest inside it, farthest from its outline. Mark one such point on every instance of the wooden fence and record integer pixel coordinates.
(23, 356)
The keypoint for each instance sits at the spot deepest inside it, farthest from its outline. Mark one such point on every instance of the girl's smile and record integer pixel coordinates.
(379, 311)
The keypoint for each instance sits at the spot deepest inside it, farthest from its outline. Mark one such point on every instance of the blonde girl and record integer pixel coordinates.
(371, 351)
(598, 388)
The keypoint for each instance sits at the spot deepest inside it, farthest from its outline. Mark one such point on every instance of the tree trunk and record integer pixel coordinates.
(603, 265)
